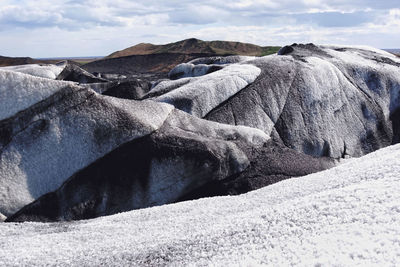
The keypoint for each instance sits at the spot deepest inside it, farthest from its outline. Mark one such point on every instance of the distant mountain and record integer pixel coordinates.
(196, 46)
(160, 59)
(13, 61)
(394, 51)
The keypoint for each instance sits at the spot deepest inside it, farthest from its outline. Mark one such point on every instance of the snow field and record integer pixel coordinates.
(348, 215)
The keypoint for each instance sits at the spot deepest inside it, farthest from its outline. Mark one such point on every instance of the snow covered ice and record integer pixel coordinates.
(348, 215)
(49, 71)
(202, 94)
(19, 91)
(60, 142)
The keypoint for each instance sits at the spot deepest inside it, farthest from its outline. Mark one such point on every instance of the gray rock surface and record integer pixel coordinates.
(128, 89)
(74, 73)
(269, 164)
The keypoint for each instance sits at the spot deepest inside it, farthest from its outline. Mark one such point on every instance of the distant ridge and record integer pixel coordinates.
(160, 59)
(393, 51)
(192, 46)
(13, 61)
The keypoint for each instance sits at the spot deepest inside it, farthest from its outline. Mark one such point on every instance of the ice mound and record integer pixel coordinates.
(185, 70)
(49, 71)
(308, 95)
(202, 94)
(51, 129)
(18, 91)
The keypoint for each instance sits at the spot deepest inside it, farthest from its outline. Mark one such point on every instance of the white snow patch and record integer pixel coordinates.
(363, 47)
(165, 86)
(185, 70)
(348, 215)
(202, 94)
(221, 60)
(19, 91)
(49, 71)
(214, 130)
(151, 115)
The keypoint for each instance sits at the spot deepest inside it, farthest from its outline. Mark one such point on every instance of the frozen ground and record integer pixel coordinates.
(348, 215)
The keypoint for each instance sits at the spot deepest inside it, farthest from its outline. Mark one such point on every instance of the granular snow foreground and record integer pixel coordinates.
(348, 215)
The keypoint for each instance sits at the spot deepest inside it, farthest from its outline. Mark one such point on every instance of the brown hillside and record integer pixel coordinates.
(192, 46)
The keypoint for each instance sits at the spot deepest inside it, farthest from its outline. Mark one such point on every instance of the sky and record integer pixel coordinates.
(67, 28)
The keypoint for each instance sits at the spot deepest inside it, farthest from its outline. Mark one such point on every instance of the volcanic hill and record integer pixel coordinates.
(160, 59)
(193, 46)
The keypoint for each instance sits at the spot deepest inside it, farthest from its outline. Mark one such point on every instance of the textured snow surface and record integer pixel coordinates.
(19, 91)
(348, 215)
(199, 95)
(49, 71)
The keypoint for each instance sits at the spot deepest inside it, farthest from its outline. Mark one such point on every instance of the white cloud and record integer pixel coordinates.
(200, 14)
(393, 19)
(43, 27)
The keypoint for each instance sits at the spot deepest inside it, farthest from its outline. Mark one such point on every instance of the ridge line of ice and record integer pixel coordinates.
(204, 93)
